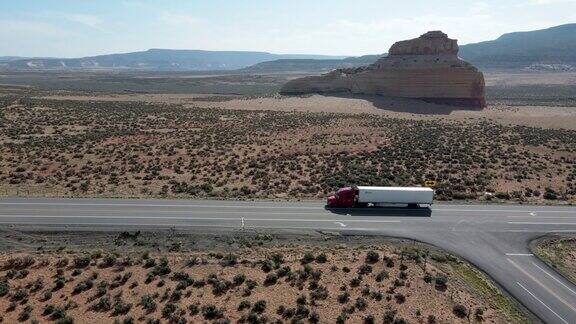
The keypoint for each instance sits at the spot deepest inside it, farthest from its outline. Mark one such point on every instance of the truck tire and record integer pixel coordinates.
(413, 206)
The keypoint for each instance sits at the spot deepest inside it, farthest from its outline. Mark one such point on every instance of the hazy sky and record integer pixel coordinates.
(71, 28)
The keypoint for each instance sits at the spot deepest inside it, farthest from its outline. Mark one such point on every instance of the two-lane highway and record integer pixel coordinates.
(493, 237)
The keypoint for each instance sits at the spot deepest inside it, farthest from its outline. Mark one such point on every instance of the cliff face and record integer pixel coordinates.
(426, 68)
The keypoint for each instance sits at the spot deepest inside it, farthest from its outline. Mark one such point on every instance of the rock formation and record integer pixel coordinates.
(426, 68)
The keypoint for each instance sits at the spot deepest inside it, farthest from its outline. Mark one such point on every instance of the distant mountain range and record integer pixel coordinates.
(311, 65)
(160, 59)
(552, 48)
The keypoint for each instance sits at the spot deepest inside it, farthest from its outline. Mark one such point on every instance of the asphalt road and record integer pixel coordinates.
(493, 237)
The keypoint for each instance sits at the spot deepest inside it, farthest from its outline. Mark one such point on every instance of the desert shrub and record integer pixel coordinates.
(108, 261)
(381, 276)
(4, 288)
(343, 297)
(364, 269)
(251, 284)
(321, 258)
(441, 282)
(19, 294)
(244, 304)
(149, 263)
(345, 269)
(284, 271)
(368, 319)
(277, 259)
(302, 311)
(25, 314)
(121, 308)
(48, 309)
(389, 316)
(239, 279)
(341, 319)
(427, 277)
(372, 257)
(355, 282)
(81, 261)
(65, 320)
(193, 309)
(460, 310)
(19, 262)
(270, 279)
(389, 262)
(319, 293)
(431, 319)
(301, 300)
(361, 303)
(259, 306)
(400, 298)
(314, 318)
(229, 260)
(83, 286)
(307, 258)
(168, 310)
(211, 312)
(147, 303)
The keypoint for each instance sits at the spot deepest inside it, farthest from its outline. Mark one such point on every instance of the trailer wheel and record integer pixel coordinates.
(361, 205)
(413, 206)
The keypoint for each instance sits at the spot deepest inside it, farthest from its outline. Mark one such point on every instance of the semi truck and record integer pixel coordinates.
(363, 196)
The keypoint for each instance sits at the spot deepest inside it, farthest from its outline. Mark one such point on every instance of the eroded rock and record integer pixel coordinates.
(426, 68)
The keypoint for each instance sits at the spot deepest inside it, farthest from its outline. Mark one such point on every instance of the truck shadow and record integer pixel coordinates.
(383, 211)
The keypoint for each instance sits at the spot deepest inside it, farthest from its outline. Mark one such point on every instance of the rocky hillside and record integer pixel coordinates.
(552, 47)
(162, 59)
(312, 65)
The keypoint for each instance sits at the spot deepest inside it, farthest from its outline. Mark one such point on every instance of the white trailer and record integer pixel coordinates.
(412, 196)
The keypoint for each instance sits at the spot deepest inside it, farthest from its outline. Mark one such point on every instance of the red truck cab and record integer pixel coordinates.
(344, 197)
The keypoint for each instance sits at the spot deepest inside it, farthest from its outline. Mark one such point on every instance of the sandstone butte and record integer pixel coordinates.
(426, 68)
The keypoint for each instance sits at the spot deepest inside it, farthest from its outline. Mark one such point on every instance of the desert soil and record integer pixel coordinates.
(194, 277)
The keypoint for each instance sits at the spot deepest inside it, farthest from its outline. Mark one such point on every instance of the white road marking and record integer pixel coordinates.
(532, 214)
(541, 302)
(540, 223)
(264, 207)
(520, 254)
(197, 225)
(541, 217)
(550, 291)
(340, 223)
(556, 279)
(205, 218)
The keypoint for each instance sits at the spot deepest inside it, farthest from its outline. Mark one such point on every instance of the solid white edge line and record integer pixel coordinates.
(557, 280)
(540, 223)
(207, 218)
(270, 207)
(520, 254)
(538, 299)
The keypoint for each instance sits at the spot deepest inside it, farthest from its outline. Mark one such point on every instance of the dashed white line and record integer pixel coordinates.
(538, 299)
(520, 254)
(556, 279)
(540, 223)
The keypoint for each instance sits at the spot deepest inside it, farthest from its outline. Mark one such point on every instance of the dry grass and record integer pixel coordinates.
(559, 253)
